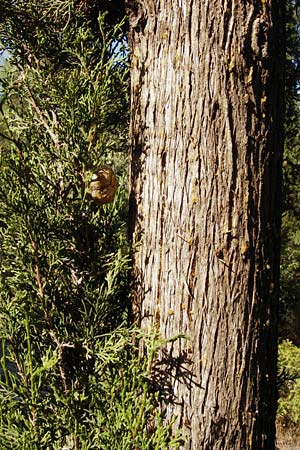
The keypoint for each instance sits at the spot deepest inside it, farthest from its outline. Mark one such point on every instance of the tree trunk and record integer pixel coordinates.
(206, 140)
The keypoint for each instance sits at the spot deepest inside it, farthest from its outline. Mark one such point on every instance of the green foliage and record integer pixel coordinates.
(113, 409)
(289, 353)
(71, 372)
(292, 72)
(292, 143)
(67, 257)
(289, 369)
(290, 250)
(290, 279)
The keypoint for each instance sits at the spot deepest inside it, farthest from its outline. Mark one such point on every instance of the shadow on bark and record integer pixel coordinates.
(169, 372)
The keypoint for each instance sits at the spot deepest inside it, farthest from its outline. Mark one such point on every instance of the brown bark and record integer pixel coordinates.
(205, 208)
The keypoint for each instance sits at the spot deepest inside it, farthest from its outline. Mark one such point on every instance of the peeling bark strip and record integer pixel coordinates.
(205, 188)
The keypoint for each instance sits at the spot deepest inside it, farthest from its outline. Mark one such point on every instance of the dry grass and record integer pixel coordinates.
(288, 435)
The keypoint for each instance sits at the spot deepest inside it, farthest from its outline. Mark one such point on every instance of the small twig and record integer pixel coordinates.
(43, 121)
(37, 271)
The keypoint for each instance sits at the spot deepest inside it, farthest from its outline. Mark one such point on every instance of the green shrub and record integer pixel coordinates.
(114, 408)
(289, 377)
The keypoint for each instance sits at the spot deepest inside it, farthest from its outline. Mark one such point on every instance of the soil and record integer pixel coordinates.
(288, 436)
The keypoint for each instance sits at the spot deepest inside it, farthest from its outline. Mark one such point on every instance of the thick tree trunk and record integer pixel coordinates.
(205, 208)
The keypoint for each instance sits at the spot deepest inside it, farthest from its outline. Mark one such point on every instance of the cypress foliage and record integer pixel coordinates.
(289, 317)
(290, 257)
(71, 374)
